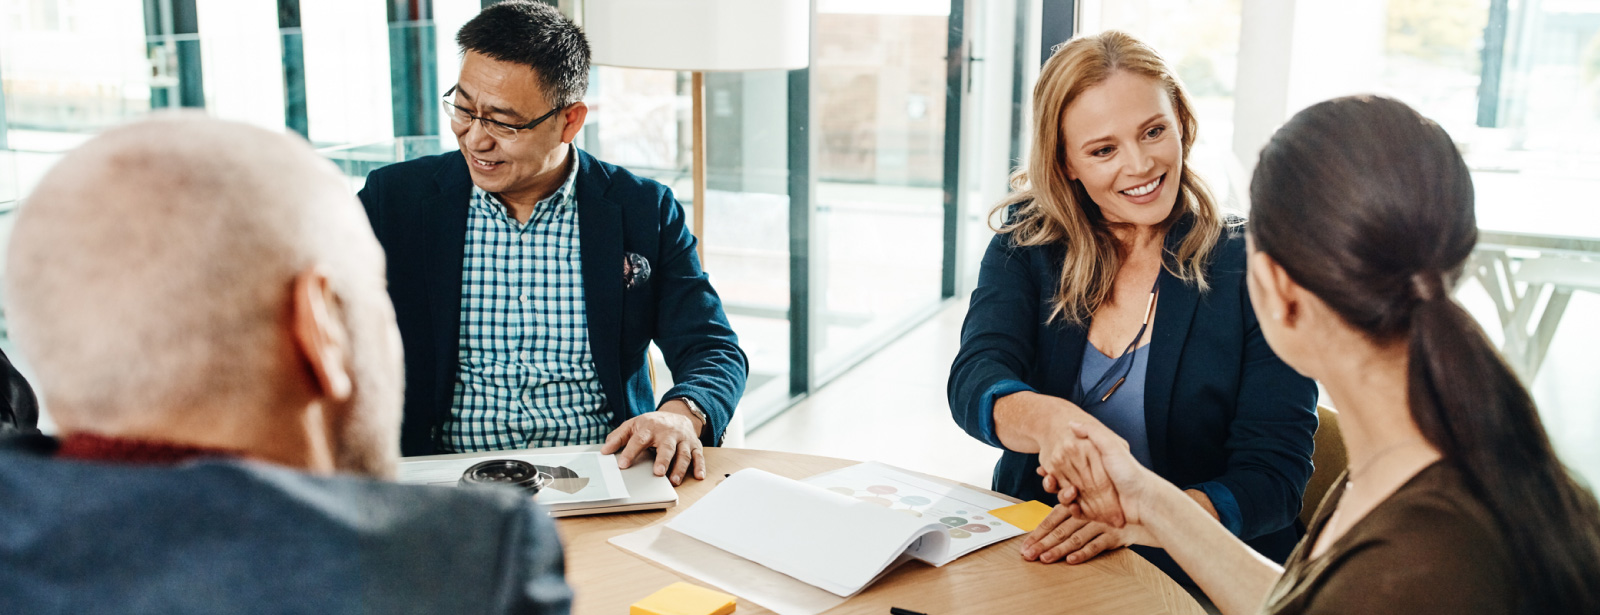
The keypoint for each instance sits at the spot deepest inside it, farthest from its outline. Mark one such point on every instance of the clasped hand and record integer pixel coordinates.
(1091, 471)
(1074, 468)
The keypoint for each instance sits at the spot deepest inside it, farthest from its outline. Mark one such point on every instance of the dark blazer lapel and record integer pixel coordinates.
(1070, 342)
(447, 215)
(1067, 345)
(600, 250)
(1175, 310)
(1065, 341)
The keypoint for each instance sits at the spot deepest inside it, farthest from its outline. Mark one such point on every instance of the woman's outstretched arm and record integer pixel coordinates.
(1232, 574)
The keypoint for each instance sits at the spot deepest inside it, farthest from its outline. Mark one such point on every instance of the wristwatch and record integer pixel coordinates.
(694, 409)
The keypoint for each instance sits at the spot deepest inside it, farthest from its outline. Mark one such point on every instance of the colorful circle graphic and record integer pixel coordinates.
(914, 500)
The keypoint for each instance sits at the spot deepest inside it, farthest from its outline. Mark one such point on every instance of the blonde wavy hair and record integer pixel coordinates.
(1046, 207)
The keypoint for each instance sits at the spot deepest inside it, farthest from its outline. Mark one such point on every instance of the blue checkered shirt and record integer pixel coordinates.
(526, 376)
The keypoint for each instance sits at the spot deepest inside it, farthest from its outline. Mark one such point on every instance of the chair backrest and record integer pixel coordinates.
(1328, 461)
(732, 437)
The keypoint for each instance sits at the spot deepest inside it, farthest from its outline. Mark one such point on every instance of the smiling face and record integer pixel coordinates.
(508, 93)
(1123, 143)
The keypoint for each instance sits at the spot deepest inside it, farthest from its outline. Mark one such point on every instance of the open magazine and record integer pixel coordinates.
(842, 530)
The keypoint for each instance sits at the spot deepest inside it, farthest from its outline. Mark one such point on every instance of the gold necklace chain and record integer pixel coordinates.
(1336, 517)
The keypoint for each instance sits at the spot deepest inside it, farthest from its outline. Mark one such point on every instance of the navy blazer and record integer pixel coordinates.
(418, 209)
(222, 535)
(1219, 405)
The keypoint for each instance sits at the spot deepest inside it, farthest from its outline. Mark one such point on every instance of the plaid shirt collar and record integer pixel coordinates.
(564, 196)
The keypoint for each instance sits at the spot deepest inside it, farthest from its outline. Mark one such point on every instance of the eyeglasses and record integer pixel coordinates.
(498, 130)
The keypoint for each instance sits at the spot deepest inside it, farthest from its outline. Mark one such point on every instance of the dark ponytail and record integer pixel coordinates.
(1368, 205)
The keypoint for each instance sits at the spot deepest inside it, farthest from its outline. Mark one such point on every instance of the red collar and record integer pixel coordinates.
(91, 447)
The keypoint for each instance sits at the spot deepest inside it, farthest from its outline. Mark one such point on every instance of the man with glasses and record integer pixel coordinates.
(529, 278)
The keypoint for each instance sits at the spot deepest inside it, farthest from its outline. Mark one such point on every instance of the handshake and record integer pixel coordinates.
(1104, 493)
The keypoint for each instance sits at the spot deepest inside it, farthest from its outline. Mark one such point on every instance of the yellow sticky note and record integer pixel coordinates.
(1027, 515)
(684, 599)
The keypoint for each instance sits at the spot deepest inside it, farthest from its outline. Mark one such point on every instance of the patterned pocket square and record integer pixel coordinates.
(635, 270)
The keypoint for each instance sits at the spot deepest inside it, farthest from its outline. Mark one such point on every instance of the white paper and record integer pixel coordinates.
(963, 511)
(835, 542)
(579, 477)
(646, 491)
(748, 580)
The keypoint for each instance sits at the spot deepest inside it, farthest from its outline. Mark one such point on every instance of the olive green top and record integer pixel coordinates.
(1431, 547)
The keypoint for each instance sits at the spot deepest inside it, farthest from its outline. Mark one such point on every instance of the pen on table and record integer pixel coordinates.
(894, 610)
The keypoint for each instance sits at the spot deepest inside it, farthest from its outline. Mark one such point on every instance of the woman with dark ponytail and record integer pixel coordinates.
(1454, 501)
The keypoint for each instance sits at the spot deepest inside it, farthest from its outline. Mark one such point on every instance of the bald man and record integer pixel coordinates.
(204, 306)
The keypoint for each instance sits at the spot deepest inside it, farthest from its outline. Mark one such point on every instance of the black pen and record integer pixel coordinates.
(894, 610)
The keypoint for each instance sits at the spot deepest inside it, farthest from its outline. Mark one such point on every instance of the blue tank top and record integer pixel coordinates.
(1124, 411)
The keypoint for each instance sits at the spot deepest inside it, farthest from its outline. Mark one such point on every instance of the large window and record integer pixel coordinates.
(879, 85)
(640, 119)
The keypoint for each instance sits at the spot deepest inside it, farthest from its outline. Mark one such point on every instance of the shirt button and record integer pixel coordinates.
(523, 356)
(523, 297)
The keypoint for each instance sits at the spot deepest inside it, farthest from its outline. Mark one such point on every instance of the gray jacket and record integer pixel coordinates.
(227, 536)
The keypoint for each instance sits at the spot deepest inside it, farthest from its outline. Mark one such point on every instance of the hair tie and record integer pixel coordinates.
(1427, 285)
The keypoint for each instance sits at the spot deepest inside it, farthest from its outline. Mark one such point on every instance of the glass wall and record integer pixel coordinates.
(54, 101)
(878, 84)
(641, 119)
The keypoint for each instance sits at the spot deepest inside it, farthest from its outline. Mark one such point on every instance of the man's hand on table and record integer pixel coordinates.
(673, 431)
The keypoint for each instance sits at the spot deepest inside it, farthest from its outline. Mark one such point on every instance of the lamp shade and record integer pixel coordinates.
(699, 35)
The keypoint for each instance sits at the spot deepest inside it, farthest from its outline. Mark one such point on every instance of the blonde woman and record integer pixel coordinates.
(1113, 296)
(1454, 501)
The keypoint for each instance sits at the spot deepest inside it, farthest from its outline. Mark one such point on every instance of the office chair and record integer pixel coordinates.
(1328, 460)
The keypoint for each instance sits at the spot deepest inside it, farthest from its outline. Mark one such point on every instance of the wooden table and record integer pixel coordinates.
(992, 580)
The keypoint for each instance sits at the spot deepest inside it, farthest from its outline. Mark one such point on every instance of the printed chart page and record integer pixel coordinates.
(575, 477)
(963, 512)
